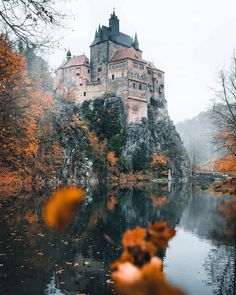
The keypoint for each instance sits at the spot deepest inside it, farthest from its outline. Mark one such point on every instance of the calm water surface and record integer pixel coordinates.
(201, 258)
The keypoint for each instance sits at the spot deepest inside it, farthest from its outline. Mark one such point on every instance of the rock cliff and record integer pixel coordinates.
(90, 131)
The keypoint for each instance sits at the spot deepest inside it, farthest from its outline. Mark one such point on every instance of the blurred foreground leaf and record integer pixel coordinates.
(60, 209)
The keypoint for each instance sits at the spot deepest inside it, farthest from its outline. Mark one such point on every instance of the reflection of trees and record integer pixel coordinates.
(38, 250)
(134, 207)
(202, 217)
(221, 268)
(26, 245)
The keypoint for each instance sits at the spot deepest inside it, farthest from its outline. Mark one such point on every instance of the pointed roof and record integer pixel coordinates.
(113, 15)
(105, 34)
(126, 53)
(136, 44)
(68, 54)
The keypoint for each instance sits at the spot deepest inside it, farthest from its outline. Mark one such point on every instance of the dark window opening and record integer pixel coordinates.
(99, 69)
(88, 71)
(80, 84)
(84, 93)
(98, 79)
(141, 66)
(140, 87)
(77, 74)
(133, 85)
(112, 77)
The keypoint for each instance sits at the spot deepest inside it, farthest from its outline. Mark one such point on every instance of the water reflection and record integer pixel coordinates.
(34, 260)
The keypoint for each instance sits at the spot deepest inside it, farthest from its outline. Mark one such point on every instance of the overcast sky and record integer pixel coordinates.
(191, 40)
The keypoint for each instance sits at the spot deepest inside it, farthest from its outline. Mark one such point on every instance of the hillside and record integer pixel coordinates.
(197, 135)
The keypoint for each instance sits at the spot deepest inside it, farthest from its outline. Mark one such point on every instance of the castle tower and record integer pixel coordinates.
(114, 24)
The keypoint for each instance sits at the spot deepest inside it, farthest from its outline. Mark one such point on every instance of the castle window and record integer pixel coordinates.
(112, 77)
(80, 84)
(140, 87)
(149, 72)
(84, 93)
(89, 71)
(99, 69)
(133, 85)
(159, 75)
(135, 65)
(98, 79)
(77, 74)
(141, 66)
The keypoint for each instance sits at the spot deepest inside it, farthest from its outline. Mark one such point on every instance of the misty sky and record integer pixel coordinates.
(191, 40)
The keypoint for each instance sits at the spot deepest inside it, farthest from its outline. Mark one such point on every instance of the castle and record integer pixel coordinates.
(116, 66)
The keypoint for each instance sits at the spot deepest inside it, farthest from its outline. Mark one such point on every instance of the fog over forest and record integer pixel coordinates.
(198, 138)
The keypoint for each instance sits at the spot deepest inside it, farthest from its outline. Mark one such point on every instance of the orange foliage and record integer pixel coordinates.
(26, 128)
(158, 160)
(112, 159)
(159, 201)
(12, 67)
(31, 217)
(62, 206)
(228, 164)
(160, 234)
(147, 280)
(111, 203)
(98, 146)
(141, 244)
(138, 271)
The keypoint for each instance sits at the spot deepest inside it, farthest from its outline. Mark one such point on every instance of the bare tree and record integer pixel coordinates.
(224, 111)
(29, 20)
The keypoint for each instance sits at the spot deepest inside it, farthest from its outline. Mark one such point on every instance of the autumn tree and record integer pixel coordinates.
(224, 115)
(26, 116)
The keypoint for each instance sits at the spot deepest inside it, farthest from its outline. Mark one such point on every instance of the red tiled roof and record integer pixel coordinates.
(74, 61)
(126, 53)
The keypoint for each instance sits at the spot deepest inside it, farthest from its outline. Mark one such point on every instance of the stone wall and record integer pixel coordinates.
(98, 62)
(136, 110)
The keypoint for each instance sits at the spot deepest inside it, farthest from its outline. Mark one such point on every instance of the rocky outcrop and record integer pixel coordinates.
(157, 135)
(77, 167)
(133, 144)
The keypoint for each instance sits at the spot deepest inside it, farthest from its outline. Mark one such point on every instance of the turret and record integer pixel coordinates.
(68, 55)
(136, 44)
(114, 24)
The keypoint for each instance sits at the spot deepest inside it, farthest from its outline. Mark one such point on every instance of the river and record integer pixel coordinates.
(201, 258)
